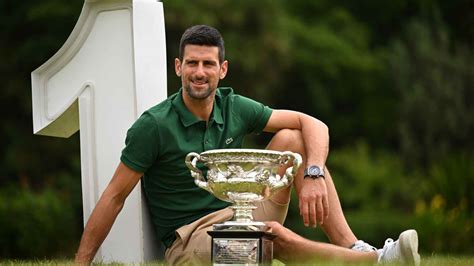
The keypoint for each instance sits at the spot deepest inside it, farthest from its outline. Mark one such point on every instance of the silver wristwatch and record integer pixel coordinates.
(314, 172)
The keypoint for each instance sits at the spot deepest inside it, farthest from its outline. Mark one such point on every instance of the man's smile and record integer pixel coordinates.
(199, 83)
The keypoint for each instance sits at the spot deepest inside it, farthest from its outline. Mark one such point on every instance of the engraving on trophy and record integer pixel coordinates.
(242, 177)
(229, 251)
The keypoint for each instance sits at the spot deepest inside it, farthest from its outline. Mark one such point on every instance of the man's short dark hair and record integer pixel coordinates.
(202, 35)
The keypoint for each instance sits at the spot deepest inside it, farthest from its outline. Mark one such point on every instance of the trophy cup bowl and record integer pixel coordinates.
(243, 177)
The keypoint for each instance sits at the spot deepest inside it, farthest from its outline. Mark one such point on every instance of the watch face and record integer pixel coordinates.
(314, 171)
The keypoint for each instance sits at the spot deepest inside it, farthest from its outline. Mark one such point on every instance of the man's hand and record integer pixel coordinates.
(286, 243)
(313, 201)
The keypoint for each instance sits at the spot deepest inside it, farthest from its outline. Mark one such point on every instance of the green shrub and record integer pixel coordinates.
(35, 225)
(445, 213)
(372, 180)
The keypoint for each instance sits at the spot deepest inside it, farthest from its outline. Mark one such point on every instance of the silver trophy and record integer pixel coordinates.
(242, 177)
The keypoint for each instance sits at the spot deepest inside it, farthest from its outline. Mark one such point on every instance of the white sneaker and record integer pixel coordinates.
(404, 250)
(361, 246)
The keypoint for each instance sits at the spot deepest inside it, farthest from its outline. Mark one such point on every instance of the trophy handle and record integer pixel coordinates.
(191, 159)
(290, 173)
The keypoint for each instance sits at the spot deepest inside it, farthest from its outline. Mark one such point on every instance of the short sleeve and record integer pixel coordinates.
(253, 113)
(141, 144)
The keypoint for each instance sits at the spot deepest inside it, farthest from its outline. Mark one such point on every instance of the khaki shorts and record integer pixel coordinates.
(193, 244)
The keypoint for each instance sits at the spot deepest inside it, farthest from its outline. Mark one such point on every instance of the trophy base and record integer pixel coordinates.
(230, 247)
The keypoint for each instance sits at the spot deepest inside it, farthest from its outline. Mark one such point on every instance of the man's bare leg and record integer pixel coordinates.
(335, 226)
(290, 247)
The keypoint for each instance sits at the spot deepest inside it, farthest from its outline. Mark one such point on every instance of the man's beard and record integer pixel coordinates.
(198, 95)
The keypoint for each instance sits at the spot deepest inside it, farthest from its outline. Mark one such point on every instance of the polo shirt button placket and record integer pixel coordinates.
(206, 144)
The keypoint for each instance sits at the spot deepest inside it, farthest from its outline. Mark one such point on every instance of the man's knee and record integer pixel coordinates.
(288, 140)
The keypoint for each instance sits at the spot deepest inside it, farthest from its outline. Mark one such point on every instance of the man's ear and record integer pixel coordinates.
(177, 67)
(224, 67)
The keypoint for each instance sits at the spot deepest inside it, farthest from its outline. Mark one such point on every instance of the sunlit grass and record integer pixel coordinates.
(430, 260)
(447, 260)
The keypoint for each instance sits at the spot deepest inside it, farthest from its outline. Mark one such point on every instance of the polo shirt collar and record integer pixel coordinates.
(188, 118)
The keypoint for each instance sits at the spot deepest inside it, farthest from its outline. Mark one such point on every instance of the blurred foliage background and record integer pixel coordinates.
(393, 80)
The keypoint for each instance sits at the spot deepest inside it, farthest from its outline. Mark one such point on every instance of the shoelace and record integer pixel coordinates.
(360, 245)
(387, 252)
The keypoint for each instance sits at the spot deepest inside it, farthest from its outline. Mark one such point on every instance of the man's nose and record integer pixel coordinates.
(200, 70)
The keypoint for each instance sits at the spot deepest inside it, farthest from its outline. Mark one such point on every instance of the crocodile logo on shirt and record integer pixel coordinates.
(229, 141)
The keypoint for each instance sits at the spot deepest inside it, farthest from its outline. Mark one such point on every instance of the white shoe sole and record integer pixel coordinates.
(409, 247)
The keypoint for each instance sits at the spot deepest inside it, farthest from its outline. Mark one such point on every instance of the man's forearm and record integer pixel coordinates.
(315, 136)
(316, 140)
(98, 226)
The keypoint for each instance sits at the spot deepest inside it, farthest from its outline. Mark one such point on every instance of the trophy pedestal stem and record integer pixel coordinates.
(243, 212)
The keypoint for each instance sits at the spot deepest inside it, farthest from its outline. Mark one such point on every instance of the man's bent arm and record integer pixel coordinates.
(105, 212)
(312, 194)
(315, 133)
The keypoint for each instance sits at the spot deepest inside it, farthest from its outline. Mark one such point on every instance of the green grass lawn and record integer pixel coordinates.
(447, 260)
(433, 260)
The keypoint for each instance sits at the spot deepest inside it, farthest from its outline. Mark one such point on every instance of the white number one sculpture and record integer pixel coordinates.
(111, 69)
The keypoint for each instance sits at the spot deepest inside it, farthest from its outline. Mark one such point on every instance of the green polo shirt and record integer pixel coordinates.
(160, 139)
